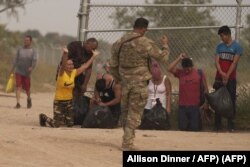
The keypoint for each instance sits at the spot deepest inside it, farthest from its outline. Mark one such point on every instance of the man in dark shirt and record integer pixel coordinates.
(80, 52)
(108, 93)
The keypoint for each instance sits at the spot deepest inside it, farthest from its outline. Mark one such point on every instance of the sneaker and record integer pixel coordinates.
(42, 119)
(29, 104)
(18, 106)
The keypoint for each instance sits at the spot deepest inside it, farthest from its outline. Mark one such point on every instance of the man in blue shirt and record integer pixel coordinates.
(227, 56)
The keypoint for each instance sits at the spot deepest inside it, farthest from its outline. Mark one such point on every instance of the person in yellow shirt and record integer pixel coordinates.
(62, 107)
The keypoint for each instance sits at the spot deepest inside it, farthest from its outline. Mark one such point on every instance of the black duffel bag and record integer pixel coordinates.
(221, 102)
(99, 117)
(156, 118)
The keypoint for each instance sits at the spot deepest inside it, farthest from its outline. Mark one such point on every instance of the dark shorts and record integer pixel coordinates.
(23, 81)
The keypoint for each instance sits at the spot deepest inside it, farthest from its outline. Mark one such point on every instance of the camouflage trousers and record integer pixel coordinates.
(63, 114)
(134, 97)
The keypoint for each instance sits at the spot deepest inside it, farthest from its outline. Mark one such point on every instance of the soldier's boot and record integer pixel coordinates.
(128, 140)
(131, 147)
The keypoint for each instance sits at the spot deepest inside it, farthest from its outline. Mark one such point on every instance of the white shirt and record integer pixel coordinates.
(156, 91)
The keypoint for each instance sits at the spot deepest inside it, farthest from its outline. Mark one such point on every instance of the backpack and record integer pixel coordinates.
(99, 117)
(156, 118)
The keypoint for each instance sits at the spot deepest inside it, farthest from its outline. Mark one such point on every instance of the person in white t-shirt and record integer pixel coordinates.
(159, 87)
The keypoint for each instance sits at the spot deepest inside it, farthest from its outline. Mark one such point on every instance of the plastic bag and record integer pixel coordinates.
(221, 102)
(156, 118)
(99, 117)
(80, 109)
(10, 84)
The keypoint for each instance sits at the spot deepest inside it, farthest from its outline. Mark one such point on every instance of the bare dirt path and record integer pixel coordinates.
(23, 143)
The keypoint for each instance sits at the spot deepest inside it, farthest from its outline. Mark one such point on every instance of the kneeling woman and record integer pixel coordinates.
(63, 108)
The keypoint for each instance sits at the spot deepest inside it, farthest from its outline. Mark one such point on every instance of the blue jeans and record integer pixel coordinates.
(189, 118)
(231, 87)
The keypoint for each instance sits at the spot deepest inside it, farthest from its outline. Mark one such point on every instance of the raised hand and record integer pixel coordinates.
(95, 53)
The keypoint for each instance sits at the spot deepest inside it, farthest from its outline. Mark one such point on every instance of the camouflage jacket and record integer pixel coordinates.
(132, 64)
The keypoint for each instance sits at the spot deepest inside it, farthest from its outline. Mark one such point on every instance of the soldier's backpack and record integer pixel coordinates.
(99, 117)
(156, 118)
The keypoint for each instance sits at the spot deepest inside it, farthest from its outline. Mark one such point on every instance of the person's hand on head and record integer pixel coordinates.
(182, 55)
(65, 50)
(95, 53)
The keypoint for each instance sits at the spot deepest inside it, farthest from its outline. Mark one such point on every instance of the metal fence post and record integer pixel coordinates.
(238, 20)
(83, 16)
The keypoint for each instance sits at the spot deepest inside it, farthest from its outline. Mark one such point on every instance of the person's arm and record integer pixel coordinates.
(172, 67)
(159, 54)
(14, 63)
(217, 65)
(117, 99)
(231, 68)
(204, 80)
(96, 99)
(63, 61)
(88, 73)
(34, 60)
(86, 65)
(168, 94)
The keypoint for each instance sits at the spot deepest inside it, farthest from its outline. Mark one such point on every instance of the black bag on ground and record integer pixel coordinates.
(80, 109)
(156, 118)
(221, 102)
(99, 117)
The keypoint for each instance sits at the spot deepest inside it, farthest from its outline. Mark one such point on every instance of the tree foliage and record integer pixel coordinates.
(245, 42)
(181, 40)
(10, 6)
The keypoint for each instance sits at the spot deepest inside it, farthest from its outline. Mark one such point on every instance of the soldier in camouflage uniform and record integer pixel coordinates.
(130, 66)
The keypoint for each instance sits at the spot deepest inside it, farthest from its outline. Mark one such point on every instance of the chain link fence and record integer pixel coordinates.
(190, 28)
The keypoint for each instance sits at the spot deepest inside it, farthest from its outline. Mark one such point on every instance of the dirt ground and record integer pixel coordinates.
(23, 143)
